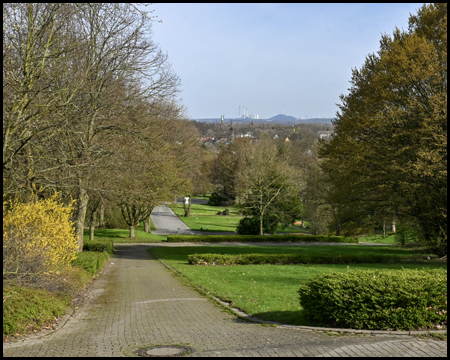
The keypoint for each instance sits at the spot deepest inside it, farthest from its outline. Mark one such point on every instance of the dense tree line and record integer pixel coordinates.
(89, 108)
(388, 158)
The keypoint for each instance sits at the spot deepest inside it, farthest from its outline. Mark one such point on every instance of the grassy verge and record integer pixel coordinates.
(269, 292)
(28, 309)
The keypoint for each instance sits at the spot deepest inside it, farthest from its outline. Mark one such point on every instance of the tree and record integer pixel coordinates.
(316, 207)
(38, 43)
(229, 162)
(152, 167)
(390, 142)
(269, 184)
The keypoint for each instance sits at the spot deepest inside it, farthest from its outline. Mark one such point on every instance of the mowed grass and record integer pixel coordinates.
(205, 218)
(377, 239)
(123, 235)
(269, 292)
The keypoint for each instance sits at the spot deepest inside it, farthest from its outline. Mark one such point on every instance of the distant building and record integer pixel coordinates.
(324, 134)
(247, 134)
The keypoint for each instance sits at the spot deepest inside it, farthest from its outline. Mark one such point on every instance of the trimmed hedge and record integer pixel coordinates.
(99, 246)
(91, 261)
(377, 299)
(284, 259)
(260, 238)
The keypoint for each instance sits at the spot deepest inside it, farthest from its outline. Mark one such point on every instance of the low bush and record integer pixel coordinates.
(260, 238)
(288, 259)
(99, 246)
(377, 299)
(91, 261)
(251, 225)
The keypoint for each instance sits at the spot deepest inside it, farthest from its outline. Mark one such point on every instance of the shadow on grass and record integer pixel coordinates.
(109, 233)
(122, 235)
(296, 317)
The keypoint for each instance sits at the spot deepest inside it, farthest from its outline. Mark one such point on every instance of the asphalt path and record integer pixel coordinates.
(167, 223)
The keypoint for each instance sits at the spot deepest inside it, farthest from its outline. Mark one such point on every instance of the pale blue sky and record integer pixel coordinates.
(294, 59)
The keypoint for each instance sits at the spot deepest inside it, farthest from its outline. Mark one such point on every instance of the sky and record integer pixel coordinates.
(292, 59)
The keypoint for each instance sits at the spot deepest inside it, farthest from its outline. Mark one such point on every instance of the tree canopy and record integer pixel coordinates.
(388, 156)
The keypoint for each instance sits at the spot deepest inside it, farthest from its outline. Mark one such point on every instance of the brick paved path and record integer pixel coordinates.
(137, 302)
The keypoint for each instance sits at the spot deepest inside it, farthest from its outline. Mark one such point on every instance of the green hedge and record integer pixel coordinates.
(377, 299)
(283, 259)
(260, 238)
(99, 246)
(91, 261)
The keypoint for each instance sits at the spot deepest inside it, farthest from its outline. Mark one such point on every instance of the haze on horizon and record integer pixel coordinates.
(292, 59)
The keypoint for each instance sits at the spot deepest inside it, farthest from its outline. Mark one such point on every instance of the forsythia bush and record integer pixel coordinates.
(38, 237)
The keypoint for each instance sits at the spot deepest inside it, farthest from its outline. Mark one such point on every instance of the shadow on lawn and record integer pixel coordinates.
(296, 317)
(109, 233)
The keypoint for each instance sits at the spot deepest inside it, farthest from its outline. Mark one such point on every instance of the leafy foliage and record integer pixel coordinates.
(377, 299)
(99, 246)
(251, 225)
(388, 156)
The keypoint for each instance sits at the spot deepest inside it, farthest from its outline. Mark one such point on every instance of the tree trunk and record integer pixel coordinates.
(92, 225)
(132, 235)
(147, 224)
(384, 229)
(101, 212)
(91, 232)
(81, 214)
(261, 232)
(338, 230)
(393, 225)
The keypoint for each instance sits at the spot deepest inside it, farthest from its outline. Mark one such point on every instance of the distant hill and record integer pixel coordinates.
(278, 119)
(282, 117)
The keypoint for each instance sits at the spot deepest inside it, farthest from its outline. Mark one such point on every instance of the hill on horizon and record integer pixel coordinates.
(282, 117)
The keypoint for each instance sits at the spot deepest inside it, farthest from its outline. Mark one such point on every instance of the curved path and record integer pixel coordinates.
(137, 302)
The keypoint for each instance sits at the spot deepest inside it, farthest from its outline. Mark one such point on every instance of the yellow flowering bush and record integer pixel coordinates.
(38, 237)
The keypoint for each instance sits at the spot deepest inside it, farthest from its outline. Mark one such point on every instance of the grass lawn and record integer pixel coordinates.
(122, 235)
(377, 239)
(269, 292)
(205, 217)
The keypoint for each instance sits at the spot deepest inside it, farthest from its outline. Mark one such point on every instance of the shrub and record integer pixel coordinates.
(226, 211)
(406, 235)
(377, 299)
(251, 225)
(99, 246)
(91, 261)
(260, 238)
(38, 239)
(216, 199)
(287, 259)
